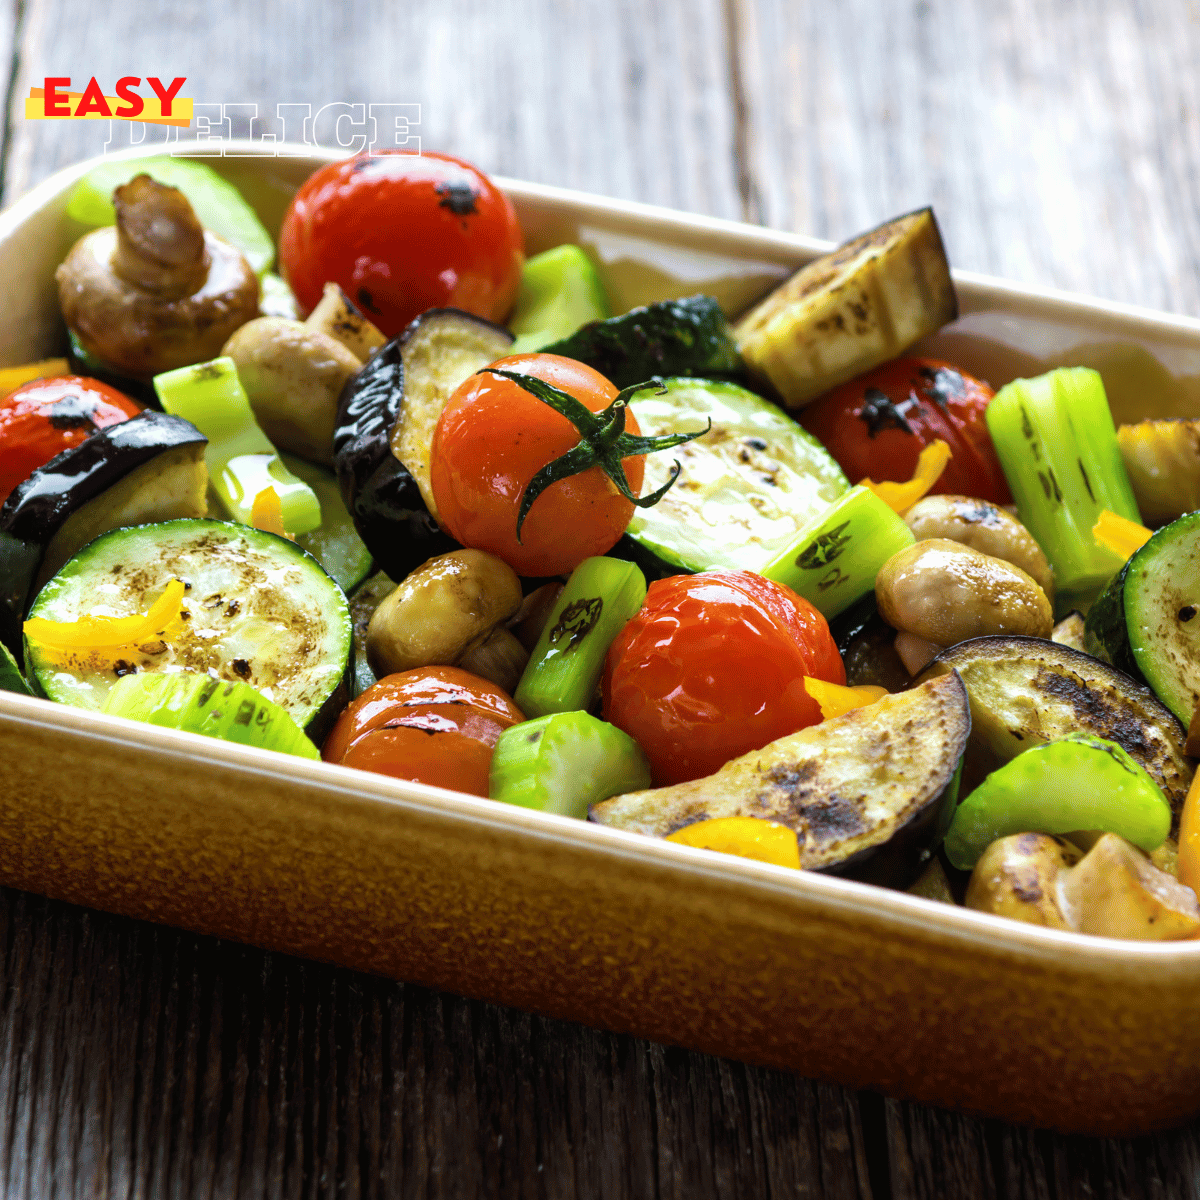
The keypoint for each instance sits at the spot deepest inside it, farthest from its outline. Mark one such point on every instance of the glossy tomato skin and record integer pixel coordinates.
(401, 233)
(493, 438)
(712, 667)
(435, 725)
(877, 425)
(44, 417)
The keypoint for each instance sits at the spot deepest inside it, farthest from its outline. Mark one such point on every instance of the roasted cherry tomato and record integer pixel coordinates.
(877, 425)
(47, 416)
(402, 233)
(494, 437)
(435, 725)
(712, 667)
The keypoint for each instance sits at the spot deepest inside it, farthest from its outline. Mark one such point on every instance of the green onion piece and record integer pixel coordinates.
(231, 711)
(563, 762)
(560, 291)
(1055, 438)
(241, 461)
(564, 669)
(1076, 783)
(11, 679)
(833, 561)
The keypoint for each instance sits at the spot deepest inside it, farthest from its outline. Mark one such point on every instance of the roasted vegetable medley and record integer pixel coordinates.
(777, 586)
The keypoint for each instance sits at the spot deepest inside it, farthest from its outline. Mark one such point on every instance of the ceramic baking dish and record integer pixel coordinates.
(826, 977)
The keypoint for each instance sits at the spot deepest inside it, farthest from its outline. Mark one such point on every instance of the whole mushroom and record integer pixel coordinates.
(451, 611)
(156, 291)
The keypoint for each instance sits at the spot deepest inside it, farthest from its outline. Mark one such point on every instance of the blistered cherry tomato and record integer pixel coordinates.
(712, 667)
(435, 725)
(44, 417)
(877, 425)
(402, 233)
(494, 437)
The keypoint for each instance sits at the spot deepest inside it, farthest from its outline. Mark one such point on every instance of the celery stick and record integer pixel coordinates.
(560, 291)
(564, 668)
(564, 762)
(833, 561)
(1076, 783)
(241, 461)
(1055, 438)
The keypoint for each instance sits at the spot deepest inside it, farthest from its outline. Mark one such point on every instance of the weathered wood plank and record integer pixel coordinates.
(626, 99)
(1058, 142)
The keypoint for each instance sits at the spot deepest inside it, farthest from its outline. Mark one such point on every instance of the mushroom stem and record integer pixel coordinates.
(160, 243)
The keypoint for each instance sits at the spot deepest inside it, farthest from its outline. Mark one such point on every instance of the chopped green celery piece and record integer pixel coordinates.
(218, 205)
(1056, 441)
(335, 544)
(564, 669)
(563, 762)
(560, 291)
(230, 710)
(833, 561)
(1077, 783)
(241, 461)
(11, 679)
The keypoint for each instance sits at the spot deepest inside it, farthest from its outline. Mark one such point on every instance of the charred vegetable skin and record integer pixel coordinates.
(869, 794)
(672, 337)
(35, 539)
(384, 497)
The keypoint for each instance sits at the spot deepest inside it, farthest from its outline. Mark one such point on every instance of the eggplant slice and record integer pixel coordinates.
(384, 433)
(1027, 691)
(149, 468)
(869, 794)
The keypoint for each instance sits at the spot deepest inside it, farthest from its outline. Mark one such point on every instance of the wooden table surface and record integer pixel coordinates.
(1059, 141)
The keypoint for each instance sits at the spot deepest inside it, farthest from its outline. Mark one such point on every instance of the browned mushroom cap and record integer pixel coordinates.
(156, 291)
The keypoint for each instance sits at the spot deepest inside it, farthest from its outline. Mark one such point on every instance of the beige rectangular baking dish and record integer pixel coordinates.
(819, 975)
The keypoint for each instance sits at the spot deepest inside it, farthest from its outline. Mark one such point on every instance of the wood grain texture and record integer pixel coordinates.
(1060, 144)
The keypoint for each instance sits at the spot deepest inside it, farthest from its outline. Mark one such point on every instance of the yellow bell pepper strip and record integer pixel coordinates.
(836, 700)
(266, 513)
(109, 637)
(747, 837)
(1189, 838)
(12, 378)
(902, 496)
(1119, 534)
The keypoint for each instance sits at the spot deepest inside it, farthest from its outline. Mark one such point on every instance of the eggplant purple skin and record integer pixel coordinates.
(382, 497)
(38, 506)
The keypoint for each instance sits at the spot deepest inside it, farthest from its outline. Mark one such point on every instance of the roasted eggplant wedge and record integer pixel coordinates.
(869, 794)
(384, 430)
(1026, 692)
(850, 310)
(149, 468)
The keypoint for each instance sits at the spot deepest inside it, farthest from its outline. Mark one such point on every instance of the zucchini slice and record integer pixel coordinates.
(258, 609)
(1147, 621)
(11, 679)
(856, 307)
(672, 337)
(149, 468)
(747, 487)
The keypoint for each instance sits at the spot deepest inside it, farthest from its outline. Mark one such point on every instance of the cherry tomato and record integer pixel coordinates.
(712, 667)
(44, 417)
(401, 233)
(435, 725)
(494, 437)
(877, 425)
